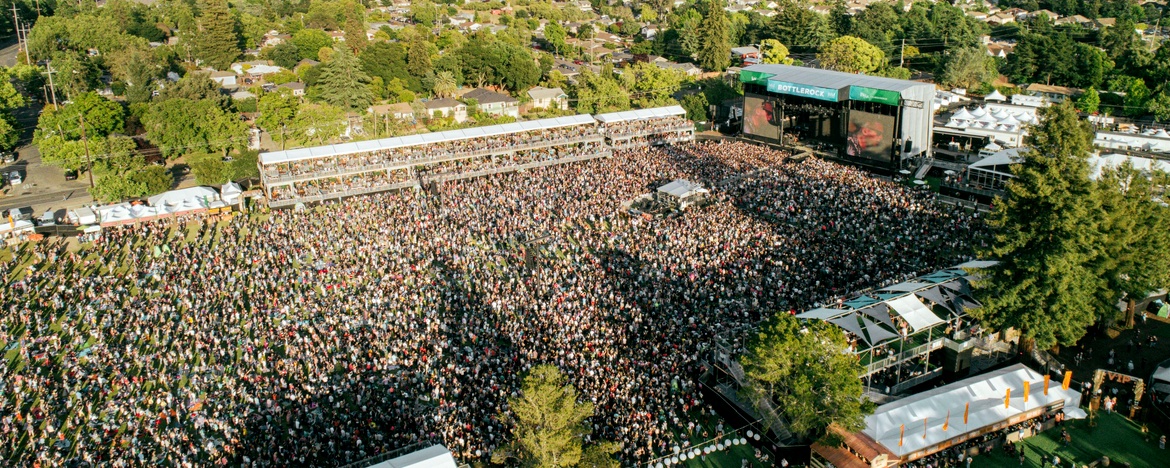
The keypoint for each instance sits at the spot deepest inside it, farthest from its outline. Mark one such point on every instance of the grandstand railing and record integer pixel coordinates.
(651, 131)
(413, 182)
(406, 163)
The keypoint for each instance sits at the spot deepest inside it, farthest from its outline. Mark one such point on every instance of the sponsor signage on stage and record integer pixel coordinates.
(880, 96)
(755, 77)
(814, 92)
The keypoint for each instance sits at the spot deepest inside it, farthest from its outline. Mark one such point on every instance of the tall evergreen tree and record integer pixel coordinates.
(218, 43)
(548, 423)
(344, 84)
(1045, 236)
(714, 53)
(1135, 252)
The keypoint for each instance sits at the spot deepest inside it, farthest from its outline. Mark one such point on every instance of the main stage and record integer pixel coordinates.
(865, 120)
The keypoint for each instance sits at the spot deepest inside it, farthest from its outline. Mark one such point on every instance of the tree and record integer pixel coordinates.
(445, 84)
(343, 83)
(9, 132)
(714, 52)
(209, 169)
(58, 133)
(1159, 107)
(969, 67)
(1134, 258)
(309, 41)
(555, 35)
(218, 41)
(138, 68)
(598, 94)
(277, 111)
(795, 24)
(548, 423)
(808, 372)
(696, 107)
(285, 55)
(774, 52)
(652, 86)
(180, 126)
(851, 55)
(195, 87)
(1045, 232)
(1089, 101)
(318, 123)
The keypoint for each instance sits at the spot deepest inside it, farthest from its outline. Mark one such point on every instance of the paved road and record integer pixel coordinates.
(44, 186)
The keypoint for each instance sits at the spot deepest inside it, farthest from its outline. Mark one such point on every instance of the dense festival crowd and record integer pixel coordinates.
(325, 336)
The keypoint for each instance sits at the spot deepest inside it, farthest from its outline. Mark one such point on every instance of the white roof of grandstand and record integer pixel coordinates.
(924, 414)
(301, 154)
(640, 114)
(435, 456)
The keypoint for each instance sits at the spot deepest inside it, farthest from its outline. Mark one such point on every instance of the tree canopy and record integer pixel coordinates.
(548, 424)
(808, 373)
(1045, 236)
(851, 55)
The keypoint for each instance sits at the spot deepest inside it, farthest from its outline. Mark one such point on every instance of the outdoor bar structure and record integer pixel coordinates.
(314, 174)
(970, 414)
(895, 329)
(657, 126)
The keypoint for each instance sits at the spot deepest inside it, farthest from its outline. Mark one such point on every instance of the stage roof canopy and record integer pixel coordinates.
(435, 456)
(828, 78)
(926, 412)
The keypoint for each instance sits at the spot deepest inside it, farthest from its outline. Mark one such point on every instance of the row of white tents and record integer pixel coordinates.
(163, 205)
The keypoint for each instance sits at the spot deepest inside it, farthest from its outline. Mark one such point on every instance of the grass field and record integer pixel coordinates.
(1115, 437)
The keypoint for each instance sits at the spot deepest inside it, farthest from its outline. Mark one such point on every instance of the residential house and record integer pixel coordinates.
(746, 54)
(337, 36)
(255, 71)
(242, 95)
(999, 49)
(585, 6)
(307, 63)
(688, 68)
(1052, 16)
(1054, 93)
(1103, 23)
(274, 38)
(1001, 18)
(493, 103)
(446, 107)
(649, 32)
(398, 111)
(226, 79)
(978, 15)
(297, 88)
(1075, 19)
(548, 98)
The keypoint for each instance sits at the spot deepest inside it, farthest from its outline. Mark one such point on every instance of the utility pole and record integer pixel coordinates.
(21, 41)
(85, 142)
(902, 54)
(53, 89)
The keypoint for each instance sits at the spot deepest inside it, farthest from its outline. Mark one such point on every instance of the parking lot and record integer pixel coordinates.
(43, 187)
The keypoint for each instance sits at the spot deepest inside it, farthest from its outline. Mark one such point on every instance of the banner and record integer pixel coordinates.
(880, 96)
(754, 77)
(1026, 389)
(1007, 399)
(966, 411)
(1046, 379)
(1067, 380)
(814, 92)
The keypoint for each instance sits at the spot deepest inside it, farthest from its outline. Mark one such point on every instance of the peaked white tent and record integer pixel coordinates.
(995, 96)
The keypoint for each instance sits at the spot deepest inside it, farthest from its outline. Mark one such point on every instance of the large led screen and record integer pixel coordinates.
(870, 136)
(760, 119)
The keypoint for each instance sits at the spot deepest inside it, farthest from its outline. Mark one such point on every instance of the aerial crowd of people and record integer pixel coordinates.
(325, 336)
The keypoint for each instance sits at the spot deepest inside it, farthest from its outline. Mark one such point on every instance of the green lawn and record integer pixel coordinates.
(1114, 436)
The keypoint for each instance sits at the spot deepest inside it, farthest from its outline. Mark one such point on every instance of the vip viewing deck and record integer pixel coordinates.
(319, 173)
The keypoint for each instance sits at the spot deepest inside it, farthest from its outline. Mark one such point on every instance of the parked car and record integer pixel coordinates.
(14, 178)
(8, 157)
(70, 175)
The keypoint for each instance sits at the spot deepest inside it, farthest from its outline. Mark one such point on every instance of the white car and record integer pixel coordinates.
(14, 178)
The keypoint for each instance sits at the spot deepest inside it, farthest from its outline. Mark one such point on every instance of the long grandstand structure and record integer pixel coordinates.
(306, 175)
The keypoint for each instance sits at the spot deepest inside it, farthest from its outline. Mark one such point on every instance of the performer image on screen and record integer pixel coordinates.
(863, 136)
